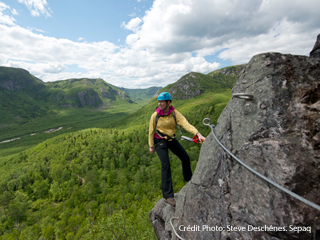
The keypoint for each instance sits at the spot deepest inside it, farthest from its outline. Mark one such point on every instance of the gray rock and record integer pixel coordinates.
(234, 70)
(186, 87)
(277, 134)
(88, 97)
(316, 49)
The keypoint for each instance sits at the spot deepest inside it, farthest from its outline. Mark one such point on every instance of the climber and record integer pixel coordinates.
(162, 137)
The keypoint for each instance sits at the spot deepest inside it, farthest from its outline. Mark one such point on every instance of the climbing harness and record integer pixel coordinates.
(163, 135)
(207, 122)
(195, 139)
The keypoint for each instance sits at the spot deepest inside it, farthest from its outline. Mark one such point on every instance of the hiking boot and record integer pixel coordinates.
(170, 201)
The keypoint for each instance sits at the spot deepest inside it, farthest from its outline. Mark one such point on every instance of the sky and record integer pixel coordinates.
(144, 43)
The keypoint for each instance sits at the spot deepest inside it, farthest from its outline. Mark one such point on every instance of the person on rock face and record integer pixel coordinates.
(161, 138)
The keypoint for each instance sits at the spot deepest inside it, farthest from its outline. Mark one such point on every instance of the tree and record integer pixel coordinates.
(40, 188)
(122, 161)
(5, 199)
(17, 210)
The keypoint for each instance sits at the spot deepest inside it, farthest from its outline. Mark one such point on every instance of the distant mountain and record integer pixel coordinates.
(194, 84)
(24, 97)
(15, 79)
(141, 94)
(85, 92)
(195, 95)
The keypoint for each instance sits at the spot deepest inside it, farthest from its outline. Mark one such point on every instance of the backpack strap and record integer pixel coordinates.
(161, 134)
(173, 114)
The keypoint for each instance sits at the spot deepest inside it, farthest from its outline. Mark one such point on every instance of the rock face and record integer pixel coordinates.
(187, 87)
(235, 70)
(316, 49)
(89, 97)
(15, 79)
(277, 133)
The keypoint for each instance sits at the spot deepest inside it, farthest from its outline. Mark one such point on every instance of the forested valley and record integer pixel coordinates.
(96, 183)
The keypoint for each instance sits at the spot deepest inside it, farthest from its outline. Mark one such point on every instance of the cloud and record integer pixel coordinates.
(133, 24)
(173, 26)
(37, 7)
(4, 18)
(46, 56)
(36, 30)
(21, 43)
(284, 38)
(14, 12)
(35, 67)
(172, 38)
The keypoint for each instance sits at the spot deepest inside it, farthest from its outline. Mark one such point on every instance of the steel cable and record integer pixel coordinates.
(311, 204)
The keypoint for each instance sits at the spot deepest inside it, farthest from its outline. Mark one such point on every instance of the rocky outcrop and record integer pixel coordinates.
(89, 97)
(234, 70)
(109, 94)
(15, 79)
(186, 87)
(277, 133)
(124, 96)
(81, 98)
(316, 49)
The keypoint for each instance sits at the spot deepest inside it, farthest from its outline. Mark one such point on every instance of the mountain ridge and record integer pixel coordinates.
(30, 97)
(194, 84)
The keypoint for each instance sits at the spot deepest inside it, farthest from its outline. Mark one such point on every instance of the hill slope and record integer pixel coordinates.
(85, 92)
(30, 106)
(24, 97)
(194, 84)
(191, 94)
(137, 95)
(98, 183)
(21, 96)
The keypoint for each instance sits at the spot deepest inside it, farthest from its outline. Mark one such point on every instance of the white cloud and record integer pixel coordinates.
(36, 68)
(37, 7)
(36, 30)
(133, 24)
(4, 18)
(42, 55)
(173, 38)
(14, 12)
(284, 39)
(191, 26)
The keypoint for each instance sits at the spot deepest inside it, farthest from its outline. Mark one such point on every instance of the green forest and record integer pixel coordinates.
(97, 183)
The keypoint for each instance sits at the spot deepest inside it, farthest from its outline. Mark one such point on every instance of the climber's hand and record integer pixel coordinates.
(152, 150)
(200, 137)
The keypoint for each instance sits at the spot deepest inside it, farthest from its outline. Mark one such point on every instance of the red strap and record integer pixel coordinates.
(196, 139)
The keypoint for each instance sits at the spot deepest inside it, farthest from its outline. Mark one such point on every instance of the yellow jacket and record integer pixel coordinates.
(166, 125)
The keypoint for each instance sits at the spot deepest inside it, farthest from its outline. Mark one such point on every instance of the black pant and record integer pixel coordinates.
(162, 147)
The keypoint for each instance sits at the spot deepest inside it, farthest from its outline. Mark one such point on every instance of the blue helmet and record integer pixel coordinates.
(165, 96)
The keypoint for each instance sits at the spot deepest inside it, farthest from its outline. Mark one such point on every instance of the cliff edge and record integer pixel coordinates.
(277, 133)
